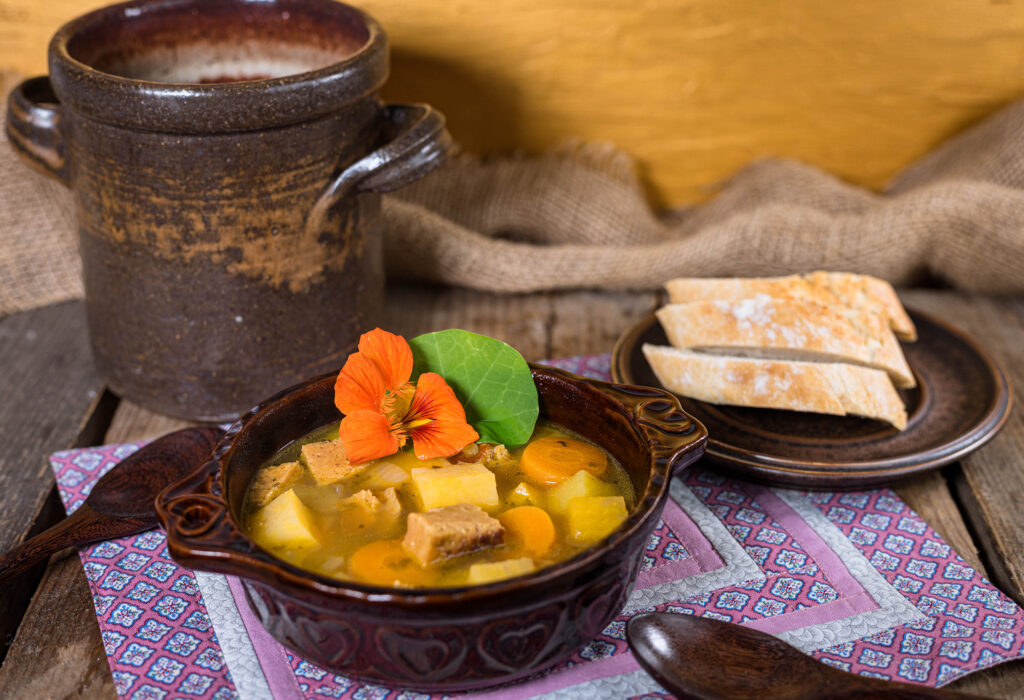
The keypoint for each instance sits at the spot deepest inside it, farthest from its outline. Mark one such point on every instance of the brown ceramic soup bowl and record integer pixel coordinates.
(447, 639)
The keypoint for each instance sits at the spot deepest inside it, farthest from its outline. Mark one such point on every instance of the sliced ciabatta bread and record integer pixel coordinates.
(818, 387)
(787, 329)
(861, 292)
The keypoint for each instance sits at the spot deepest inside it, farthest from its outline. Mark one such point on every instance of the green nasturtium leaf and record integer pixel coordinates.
(491, 379)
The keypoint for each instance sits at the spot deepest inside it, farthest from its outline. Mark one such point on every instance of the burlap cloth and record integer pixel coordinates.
(578, 218)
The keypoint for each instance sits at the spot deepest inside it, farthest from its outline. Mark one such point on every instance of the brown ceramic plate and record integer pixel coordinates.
(962, 399)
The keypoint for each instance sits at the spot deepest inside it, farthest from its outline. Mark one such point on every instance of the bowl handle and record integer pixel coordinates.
(420, 143)
(33, 127)
(676, 438)
(193, 513)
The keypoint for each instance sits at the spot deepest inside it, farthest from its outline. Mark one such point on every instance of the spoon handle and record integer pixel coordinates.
(862, 687)
(121, 502)
(81, 527)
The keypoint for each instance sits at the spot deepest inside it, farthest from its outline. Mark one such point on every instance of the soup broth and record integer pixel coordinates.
(483, 515)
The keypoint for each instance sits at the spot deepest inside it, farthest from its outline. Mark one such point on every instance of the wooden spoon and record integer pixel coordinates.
(121, 502)
(697, 657)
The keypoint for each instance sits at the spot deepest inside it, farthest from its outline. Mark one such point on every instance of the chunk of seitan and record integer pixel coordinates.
(366, 508)
(327, 461)
(364, 499)
(390, 506)
(446, 532)
(271, 482)
(385, 501)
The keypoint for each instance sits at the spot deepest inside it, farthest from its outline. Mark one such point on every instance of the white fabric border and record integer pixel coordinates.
(621, 686)
(235, 645)
(894, 608)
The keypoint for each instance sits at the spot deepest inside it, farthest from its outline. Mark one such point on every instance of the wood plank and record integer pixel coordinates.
(585, 323)
(540, 325)
(133, 423)
(992, 487)
(521, 320)
(49, 387)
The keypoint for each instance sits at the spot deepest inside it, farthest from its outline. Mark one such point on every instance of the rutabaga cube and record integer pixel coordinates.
(499, 570)
(582, 483)
(592, 518)
(285, 522)
(525, 494)
(454, 484)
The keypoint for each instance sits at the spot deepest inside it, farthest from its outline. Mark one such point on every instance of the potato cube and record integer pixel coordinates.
(285, 522)
(454, 484)
(582, 483)
(592, 518)
(327, 461)
(525, 494)
(271, 482)
(499, 570)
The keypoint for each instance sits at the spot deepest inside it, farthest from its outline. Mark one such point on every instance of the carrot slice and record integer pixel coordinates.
(528, 529)
(386, 563)
(552, 460)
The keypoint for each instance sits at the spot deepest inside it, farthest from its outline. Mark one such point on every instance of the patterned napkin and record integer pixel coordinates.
(857, 580)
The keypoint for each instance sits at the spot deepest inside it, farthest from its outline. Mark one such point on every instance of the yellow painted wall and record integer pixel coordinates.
(693, 88)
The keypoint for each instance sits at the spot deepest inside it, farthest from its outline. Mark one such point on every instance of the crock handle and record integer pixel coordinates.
(33, 127)
(420, 144)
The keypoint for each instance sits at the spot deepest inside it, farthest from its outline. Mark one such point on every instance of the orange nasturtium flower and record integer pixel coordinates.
(383, 409)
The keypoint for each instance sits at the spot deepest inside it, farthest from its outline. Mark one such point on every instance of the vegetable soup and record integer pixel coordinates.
(486, 514)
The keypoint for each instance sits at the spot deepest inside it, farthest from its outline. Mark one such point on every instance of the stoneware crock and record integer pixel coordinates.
(226, 157)
(436, 639)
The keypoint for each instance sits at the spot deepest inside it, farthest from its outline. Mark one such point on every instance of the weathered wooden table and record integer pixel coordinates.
(51, 399)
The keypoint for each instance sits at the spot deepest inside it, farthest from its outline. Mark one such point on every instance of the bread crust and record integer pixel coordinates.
(787, 329)
(862, 292)
(829, 388)
(870, 294)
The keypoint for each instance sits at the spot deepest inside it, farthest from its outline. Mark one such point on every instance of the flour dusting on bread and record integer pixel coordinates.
(823, 342)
